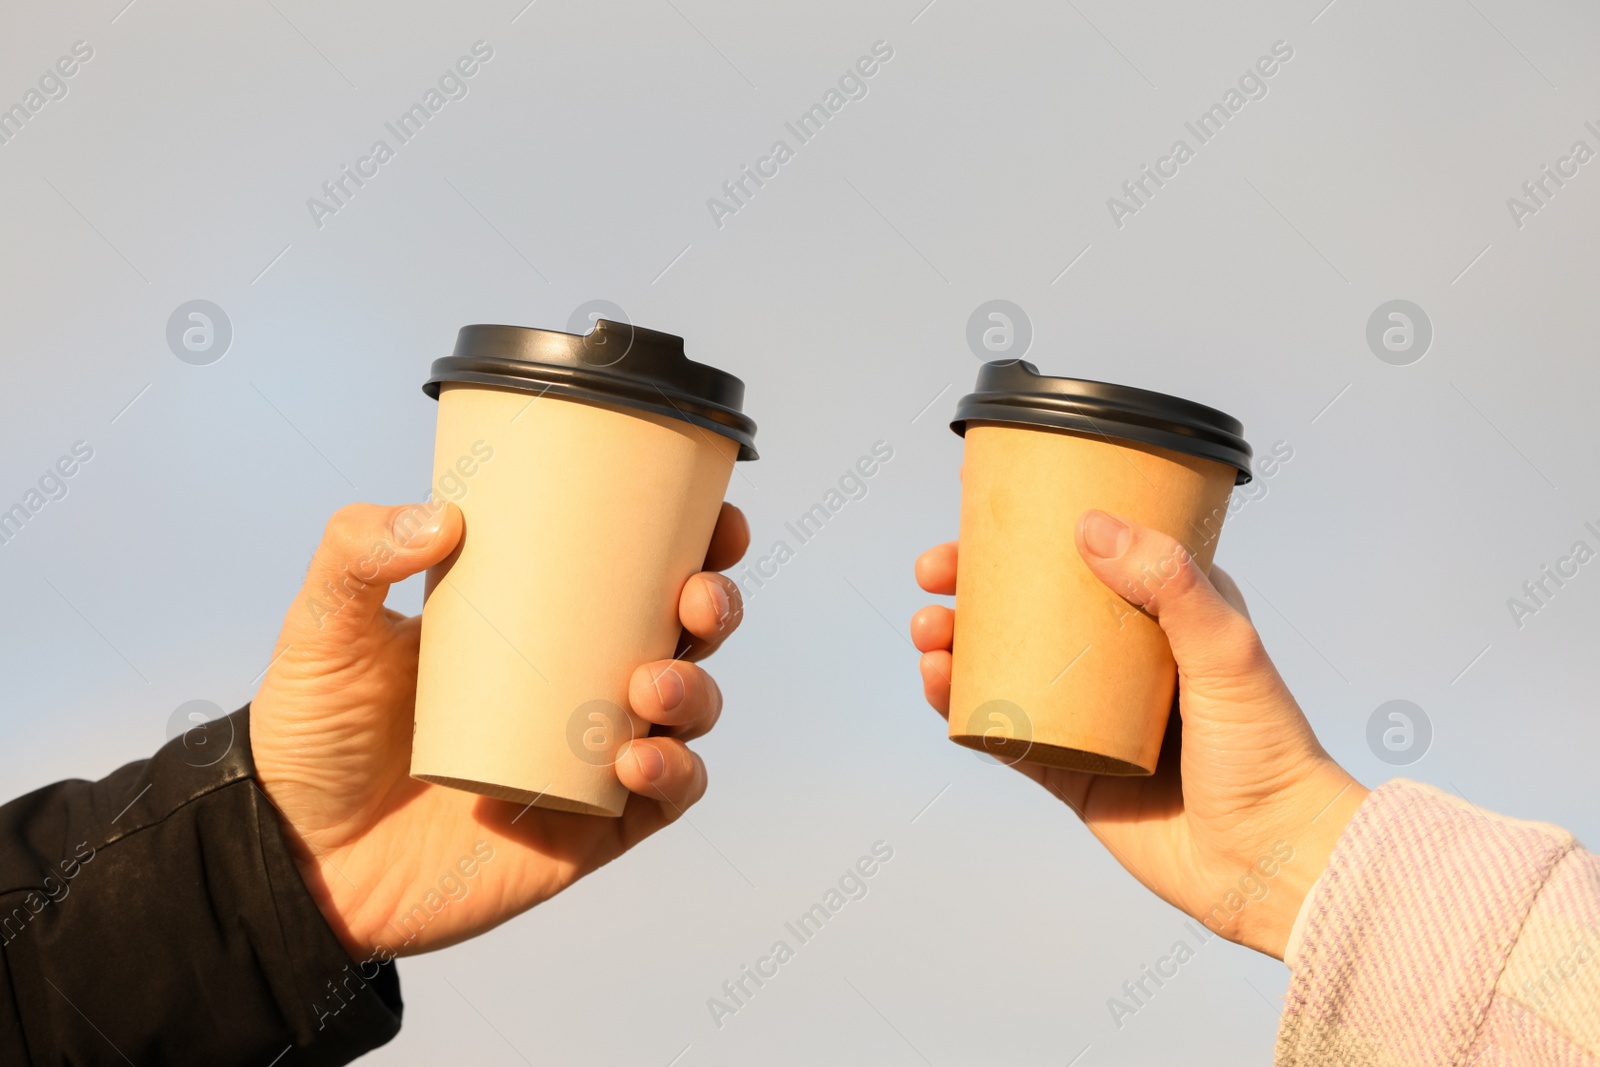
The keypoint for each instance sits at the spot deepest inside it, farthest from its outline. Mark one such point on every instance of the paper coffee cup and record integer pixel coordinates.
(1050, 665)
(590, 471)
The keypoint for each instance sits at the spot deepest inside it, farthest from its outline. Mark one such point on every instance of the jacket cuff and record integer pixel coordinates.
(1297, 932)
(1409, 928)
(335, 1008)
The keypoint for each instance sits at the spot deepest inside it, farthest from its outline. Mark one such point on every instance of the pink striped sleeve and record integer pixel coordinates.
(1445, 936)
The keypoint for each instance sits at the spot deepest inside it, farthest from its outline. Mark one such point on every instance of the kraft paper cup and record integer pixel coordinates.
(586, 511)
(1050, 665)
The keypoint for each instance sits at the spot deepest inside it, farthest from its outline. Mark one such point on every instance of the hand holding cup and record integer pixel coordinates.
(331, 727)
(1241, 782)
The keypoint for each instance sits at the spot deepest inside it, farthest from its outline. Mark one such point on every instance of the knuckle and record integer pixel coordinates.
(1170, 575)
(344, 526)
(1234, 631)
(1237, 647)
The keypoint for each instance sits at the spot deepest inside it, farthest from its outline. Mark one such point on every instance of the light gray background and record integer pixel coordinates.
(1379, 564)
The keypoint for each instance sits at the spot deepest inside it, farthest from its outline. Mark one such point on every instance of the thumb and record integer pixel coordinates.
(365, 549)
(1210, 638)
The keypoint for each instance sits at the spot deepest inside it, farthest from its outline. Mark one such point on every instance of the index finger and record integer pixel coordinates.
(728, 540)
(936, 569)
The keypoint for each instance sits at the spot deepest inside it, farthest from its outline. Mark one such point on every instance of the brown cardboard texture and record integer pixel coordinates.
(1049, 665)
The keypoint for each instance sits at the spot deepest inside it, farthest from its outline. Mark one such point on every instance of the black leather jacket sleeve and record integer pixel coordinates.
(157, 917)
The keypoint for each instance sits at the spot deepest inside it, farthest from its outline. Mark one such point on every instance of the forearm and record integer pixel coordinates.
(157, 916)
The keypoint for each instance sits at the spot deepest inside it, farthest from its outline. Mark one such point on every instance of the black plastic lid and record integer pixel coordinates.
(1015, 392)
(614, 363)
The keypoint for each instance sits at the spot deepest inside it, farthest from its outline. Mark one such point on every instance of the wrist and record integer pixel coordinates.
(1329, 801)
(324, 883)
(322, 879)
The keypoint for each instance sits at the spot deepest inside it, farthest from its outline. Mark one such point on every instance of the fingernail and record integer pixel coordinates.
(719, 600)
(669, 687)
(649, 761)
(417, 524)
(1104, 536)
